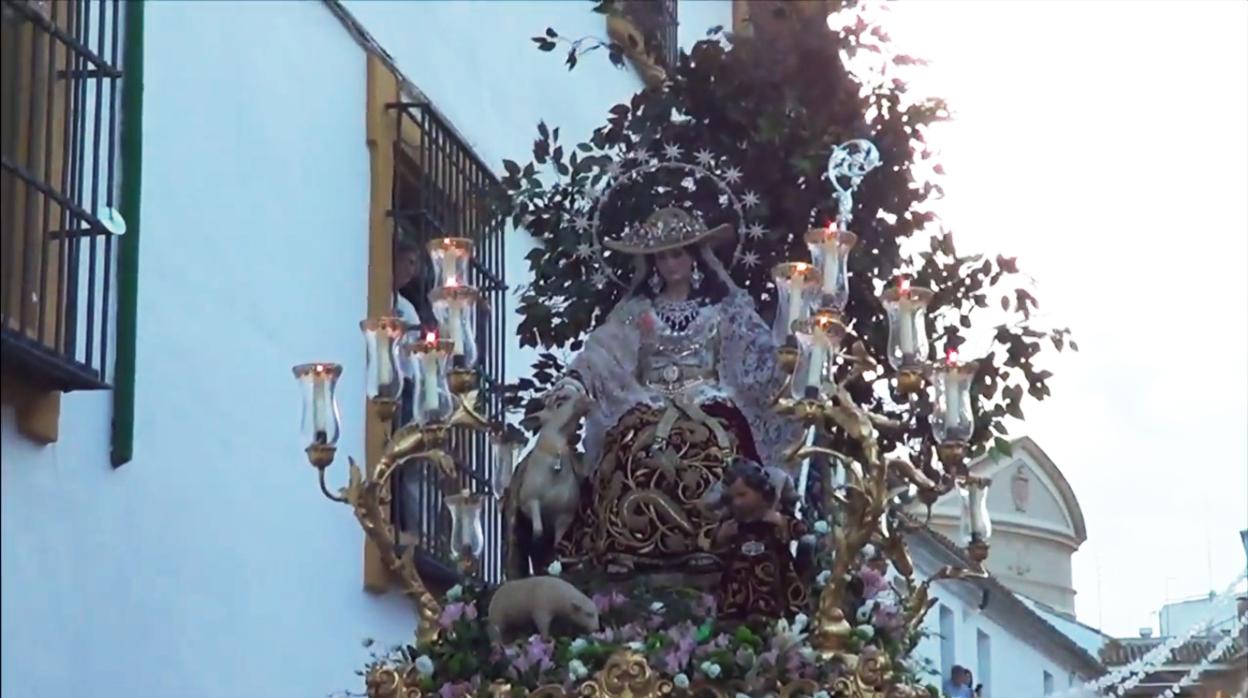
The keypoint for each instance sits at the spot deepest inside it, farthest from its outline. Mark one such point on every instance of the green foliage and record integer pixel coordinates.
(775, 109)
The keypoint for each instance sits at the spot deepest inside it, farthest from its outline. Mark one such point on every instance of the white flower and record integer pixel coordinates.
(864, 613)
(711, 669)
(704, 157)
(750, 199)
(732, 175)
(821, 694)
(680, 681)
(578, 645)
(808, 654)
(800, 622)
(868, 552)
(671, 151)
(555, 568)
(823, 578)
(577, 669)
(581, 223)
(656, 607)
(750, 259)
(742, 695)
(424, 665)
(866, 632)
(755, 231)
(584, 250)
(636, 646)
(822, 527)
(455, 593)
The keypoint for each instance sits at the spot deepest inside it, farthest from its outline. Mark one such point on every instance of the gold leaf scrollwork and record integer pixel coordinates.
(626, 675)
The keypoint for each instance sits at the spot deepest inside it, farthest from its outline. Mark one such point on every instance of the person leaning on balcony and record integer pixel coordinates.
(959, 685)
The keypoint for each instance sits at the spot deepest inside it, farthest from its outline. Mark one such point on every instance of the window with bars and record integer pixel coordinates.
(59, 92)
(656, 20)
(441, 189)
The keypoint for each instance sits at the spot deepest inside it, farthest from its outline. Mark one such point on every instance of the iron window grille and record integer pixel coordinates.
(442, 189)
(657, 22)
(59, 91)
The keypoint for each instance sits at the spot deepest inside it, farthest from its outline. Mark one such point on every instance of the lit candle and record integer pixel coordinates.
(818, 356)
(429, 374)
(906, 310)
(797, 284)
(953, 397)
(831, 259)
(448, 263)
(320, 405)
(454, 309)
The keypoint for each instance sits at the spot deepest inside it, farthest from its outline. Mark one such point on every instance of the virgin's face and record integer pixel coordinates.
(675, 266)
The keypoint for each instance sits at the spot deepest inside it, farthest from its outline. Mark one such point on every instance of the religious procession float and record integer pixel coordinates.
(708, 503)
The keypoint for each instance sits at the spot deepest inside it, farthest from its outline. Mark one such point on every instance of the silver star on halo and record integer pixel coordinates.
(704, 157)
(750, 259)
(599, 279)
(581, 223)
(584, 250)
(613, 170)
(671, 151)
(754, 231)
(750, 199)
(732, 175)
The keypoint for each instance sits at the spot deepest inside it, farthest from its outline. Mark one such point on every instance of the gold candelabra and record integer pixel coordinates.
(864, 488)
(444, 389)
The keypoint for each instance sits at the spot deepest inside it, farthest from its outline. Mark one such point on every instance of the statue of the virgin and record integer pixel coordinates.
(681, 376)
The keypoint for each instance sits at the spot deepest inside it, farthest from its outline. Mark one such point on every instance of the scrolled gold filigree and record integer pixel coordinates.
(626, 675)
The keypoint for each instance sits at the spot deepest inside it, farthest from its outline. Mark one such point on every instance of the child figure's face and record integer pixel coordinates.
(747, 504)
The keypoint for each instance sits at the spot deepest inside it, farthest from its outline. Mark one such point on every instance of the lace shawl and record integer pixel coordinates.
(747, 368)
(608, 369)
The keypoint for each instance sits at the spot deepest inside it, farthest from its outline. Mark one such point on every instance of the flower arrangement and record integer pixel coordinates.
(676, 632)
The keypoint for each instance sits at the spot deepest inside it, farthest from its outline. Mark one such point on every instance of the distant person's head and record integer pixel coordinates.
(960, 675)
(408, 264)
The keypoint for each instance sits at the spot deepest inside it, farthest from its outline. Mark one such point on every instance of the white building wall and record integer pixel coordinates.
(211, 565)
(1017, 658)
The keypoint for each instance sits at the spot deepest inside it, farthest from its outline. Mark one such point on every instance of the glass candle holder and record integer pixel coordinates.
(467, 533)
(383, 377)
(953, 420)
(427, 362)
(456, 310)
(829, 252)
(818, 339)
(321, 421)
(977, 510)
(451, 258)
(506, 447)
(906, 307)
(795, 294)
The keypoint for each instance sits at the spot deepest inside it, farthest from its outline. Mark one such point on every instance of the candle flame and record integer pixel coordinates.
(903, 286)
(431, 337)
(452, 282)
(951, 356)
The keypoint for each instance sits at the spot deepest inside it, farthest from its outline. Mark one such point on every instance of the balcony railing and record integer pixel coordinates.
(441, 189)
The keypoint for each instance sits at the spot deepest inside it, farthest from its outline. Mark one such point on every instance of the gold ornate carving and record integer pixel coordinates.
(622, 31)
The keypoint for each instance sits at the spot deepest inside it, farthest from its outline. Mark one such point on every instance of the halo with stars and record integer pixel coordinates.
(748, 230)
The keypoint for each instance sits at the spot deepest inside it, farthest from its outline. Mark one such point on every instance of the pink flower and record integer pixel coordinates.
(538, 653)
(455, 690)
(452, 613)
(872, 582)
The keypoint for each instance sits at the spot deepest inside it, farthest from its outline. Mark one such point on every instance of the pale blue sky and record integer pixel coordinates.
(1106, 144)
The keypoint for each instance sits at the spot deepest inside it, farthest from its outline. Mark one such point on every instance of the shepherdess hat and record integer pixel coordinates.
(668, 229)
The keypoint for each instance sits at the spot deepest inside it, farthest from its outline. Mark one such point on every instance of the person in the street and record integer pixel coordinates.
(959, 684)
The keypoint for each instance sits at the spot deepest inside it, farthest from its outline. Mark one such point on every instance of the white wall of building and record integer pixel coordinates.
(211, 565)
(995, 645)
